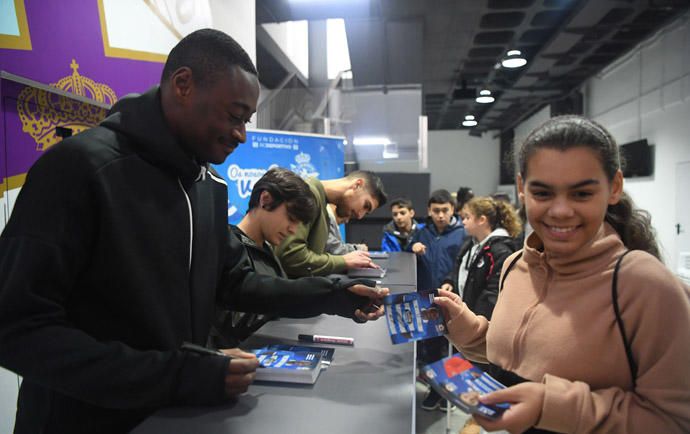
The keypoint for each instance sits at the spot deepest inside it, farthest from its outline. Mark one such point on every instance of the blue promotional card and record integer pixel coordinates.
(413, 316)
(461, 383)
(308, 155)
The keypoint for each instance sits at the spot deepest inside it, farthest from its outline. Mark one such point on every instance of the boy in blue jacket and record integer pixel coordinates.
(436, 246)
(438, 242)
(398, 233)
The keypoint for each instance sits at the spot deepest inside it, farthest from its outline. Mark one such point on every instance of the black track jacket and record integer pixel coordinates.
(115, 253)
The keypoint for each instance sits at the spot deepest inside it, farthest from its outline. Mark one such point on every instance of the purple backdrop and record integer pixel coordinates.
(70, 29)
(60, 31)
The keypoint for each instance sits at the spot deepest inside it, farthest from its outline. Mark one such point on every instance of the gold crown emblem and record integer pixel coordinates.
(40, 111)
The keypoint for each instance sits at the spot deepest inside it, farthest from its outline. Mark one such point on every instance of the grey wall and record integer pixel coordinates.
(522, 130)
(458, 159)
(647, 95)
(393, 114)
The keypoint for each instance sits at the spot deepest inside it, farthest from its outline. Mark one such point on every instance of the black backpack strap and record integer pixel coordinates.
(510, 267)
(619, 320)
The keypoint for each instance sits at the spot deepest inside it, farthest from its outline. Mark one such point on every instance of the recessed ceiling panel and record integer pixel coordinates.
(501, 20)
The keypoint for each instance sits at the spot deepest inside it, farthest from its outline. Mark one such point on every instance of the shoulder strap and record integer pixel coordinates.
(619, 320)
(510, 267)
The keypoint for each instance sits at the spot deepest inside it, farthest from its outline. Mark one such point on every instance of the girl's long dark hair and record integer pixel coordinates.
(634, 225)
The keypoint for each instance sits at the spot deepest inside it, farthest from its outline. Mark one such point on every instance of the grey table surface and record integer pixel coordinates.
(369, 388)
(401, 272)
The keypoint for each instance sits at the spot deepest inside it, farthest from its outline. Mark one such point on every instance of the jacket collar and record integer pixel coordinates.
(248, 242)
(498, 232)
(140, 118)
(454, 224)
(595, 255)
(390, 227)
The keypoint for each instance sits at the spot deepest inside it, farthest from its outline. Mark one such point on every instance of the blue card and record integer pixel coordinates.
(413, 316)
(461, 383)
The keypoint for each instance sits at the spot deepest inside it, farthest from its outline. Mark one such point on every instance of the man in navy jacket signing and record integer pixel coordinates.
(118, 249)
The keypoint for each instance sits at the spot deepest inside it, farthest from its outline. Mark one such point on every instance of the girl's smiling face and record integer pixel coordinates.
(566, 194)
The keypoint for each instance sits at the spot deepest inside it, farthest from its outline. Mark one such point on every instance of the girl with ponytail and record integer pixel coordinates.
(493, 226)
(591, 332)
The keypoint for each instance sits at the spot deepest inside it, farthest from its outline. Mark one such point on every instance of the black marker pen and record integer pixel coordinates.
(339, 340)
(203, 351)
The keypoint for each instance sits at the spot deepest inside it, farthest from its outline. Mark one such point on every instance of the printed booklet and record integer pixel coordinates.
(413, 316)
(292, 363)
(461, 383)
(377, 254)
(326, 353)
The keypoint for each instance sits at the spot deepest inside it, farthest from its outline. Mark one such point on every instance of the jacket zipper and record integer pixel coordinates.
(518, 342)
(191, 224)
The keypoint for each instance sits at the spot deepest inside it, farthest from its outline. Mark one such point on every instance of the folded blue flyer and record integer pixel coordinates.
(413, 316)
(461, 383)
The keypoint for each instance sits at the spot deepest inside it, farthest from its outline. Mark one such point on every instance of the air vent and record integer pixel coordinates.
(510, 4)
(479, 64)
(547, 18)
(493, 38)
(492, 52)
(501, 20)
(535, 36)
(615, 16)
(465, 93)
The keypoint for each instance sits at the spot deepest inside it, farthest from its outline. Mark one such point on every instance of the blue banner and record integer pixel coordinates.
(305, 154)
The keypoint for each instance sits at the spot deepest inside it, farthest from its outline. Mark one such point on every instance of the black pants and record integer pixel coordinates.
(432, 350)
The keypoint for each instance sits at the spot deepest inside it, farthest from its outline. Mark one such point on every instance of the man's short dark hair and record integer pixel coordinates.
(286, 187)
(372, 183)
(207, 52)
(463, 196)
(441, 196)
(402, 202)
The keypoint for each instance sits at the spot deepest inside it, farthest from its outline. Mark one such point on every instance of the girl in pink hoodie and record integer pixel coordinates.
(580, 353)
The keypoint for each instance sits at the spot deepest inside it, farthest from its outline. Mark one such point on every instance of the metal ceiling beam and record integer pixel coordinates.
(263, 38)
(536, 54)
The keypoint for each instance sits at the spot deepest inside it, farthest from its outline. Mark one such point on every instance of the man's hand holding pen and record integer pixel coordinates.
(373, 310)
(359, 259)
(241, 366)
(241, 371)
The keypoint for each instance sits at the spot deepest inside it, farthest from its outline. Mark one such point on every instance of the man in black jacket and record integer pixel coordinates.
(118, 249)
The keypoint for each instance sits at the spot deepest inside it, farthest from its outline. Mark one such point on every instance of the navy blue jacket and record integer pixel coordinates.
(393, 240)
(441, 250)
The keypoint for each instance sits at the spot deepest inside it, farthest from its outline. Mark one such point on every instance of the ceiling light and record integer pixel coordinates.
(513, 59)
(485, 97)
(371, 141)
(469, 121)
